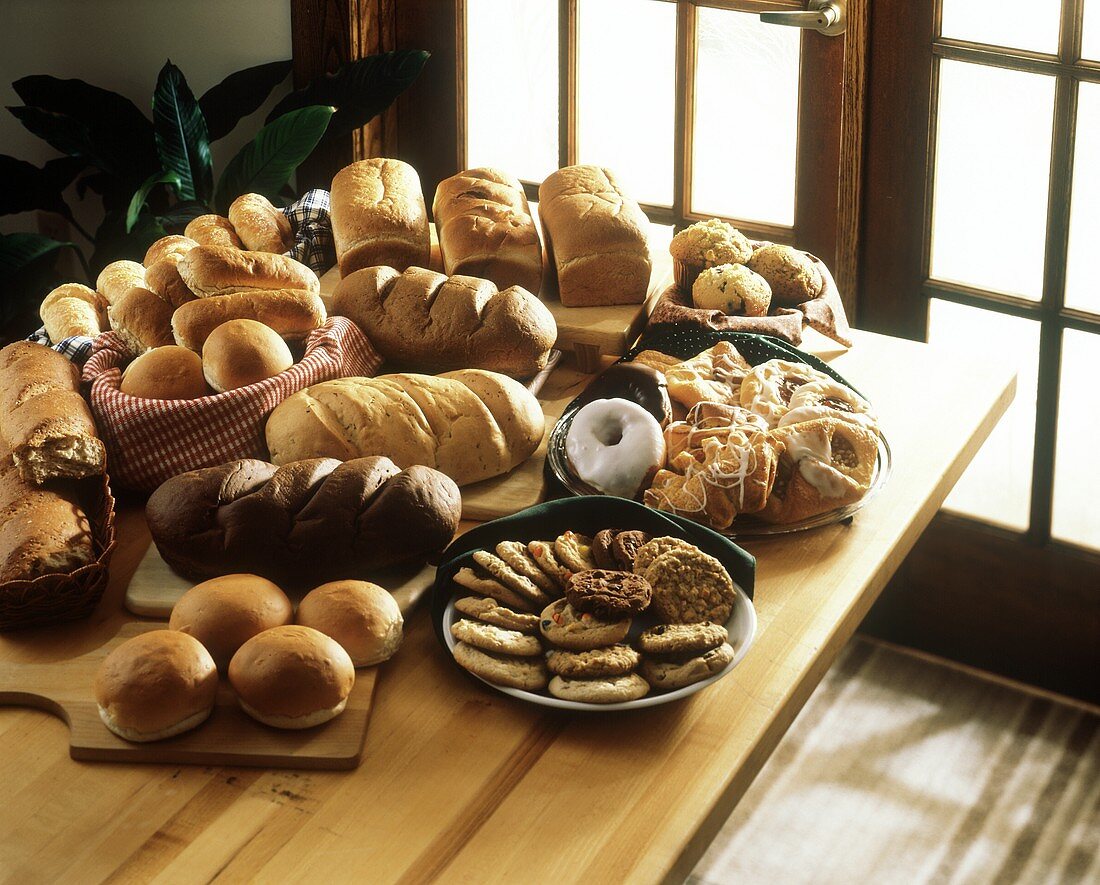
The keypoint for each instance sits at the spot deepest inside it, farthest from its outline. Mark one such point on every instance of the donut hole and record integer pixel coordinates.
(609, 435)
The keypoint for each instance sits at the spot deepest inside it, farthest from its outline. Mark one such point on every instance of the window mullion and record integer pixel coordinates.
(685, 111)
(567, 82)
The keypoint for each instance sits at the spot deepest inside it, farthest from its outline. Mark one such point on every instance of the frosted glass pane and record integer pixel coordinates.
(1090, 45)
(989, 210)
(996, 487)
(746, 118)
(512, 86)
(1082, 279)
(1021, 24)
(1076, 515)
(626, 82)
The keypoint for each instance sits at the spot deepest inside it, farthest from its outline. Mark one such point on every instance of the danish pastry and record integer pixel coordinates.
(767, 388)
(711, 376)
(829, 399)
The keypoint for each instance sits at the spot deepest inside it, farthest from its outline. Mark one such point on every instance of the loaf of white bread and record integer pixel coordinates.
(378, 216)
(485, 229)
(429, 322)
(595, 236)
(469, 424)
(47, 426)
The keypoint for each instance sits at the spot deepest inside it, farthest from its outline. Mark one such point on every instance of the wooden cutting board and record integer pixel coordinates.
(228, 737)
(587, 331)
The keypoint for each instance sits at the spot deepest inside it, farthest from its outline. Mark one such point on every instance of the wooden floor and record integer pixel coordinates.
(901, 769)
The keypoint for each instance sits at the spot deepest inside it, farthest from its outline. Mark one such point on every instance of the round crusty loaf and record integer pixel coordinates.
(117, 278)
(363, 617)
(292, 313)
(430, 322)
(72, 309)
(168, 372)
(242, 352)
(213, 230)
(142, 319)
(215, 270)
(261, 227)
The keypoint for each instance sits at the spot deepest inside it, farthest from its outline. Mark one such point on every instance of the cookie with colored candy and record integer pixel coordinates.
(679, 639)
(667, 675)
(574, 551)
(601, 549)
(543, 553)
(690, 587)
(510, 578)
(496, 639)
(608, 594)
(565, 627)
(528, 674)
(515, 554)
(617, 660)
(626, 545)
(648, 552)
(490, 611)
(612, 690)
(486, 585)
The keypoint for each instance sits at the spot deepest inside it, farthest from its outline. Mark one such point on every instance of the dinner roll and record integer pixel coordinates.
(292, 677)
(260, 225)
(213, 230)
(171, 246)
(156, 685)
(242, 352)
(117, 277)
(141, 319)
(363, 617)
(168, 372)
(225, 612)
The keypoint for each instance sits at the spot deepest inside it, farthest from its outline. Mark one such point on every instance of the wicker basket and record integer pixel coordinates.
(52, 599)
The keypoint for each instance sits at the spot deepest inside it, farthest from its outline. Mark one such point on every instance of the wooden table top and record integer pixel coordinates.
(463, 784)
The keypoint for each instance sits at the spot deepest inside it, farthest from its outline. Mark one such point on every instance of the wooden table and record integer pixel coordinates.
(463, 784)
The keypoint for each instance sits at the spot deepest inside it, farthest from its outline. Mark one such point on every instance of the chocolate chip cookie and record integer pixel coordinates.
(543, 553)
(564, 626)
(617, 660)
(489, 586)
(515, 554)
(626, 545)
(608, 594)
(601, 549)
(496, 639)
(614, 690)
(666, 675)
(529, 674)
(492, 612)
(574, 551)
(510, 578)
(678, 639)
(690, 587)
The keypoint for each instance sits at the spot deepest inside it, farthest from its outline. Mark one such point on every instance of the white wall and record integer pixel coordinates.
(122, 46)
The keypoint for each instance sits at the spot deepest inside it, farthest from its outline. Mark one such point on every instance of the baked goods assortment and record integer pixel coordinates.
(780, 441)
(430, 322)
(599, 620)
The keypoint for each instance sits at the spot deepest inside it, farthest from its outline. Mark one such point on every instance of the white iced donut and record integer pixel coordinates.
(615, 446)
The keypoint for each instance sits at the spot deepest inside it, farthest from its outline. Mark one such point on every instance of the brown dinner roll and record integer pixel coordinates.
(261, 226)
(156, 685)
(363, 617)
(242, 352)
(292, 677)
(117, 278)
(168, 372)
(225, 612)
(213, 230)
(142, 319)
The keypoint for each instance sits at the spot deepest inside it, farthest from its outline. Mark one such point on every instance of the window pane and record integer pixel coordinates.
(746, 117)
(1076, 515)
(512, 86)
(626, 83)
(1082, 282)
(996, 486)
(1090, 47)
(1021, 24)
(992, 168)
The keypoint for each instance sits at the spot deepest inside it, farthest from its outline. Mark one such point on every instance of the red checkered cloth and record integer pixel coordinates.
(151, 440)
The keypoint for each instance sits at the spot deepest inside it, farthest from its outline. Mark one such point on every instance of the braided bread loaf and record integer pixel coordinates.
(307, 522)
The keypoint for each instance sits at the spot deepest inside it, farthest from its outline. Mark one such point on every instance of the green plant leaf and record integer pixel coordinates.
(239, 95)
(142, 194)
(266, 163)
(359, 90)
(19, 249)
(113, 242)
(181, 136)
(181, 213)
(24, 187)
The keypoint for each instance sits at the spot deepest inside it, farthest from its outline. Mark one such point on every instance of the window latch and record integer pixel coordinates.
(824, 16)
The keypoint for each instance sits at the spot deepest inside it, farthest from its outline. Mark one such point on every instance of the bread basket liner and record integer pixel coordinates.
(52, 599)
(825, 313)
(149, 440)
(586, 515)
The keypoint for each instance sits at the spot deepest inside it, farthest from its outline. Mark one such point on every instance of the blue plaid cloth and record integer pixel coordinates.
(309, 219)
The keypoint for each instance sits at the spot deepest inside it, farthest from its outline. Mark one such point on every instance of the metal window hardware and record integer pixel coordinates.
(824, 16)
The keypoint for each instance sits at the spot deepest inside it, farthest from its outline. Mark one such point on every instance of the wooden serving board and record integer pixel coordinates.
(587, 331)
(228, 737)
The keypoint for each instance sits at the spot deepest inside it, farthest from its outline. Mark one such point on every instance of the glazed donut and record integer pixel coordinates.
(767, 389)
(829, 399)
(615, 446)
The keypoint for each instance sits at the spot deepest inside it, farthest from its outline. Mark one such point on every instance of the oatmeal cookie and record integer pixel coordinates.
(492, 612)
(515, 554)
(608, 594)
(618, 660)
(615, 690)
(564, 626)
(496, 639)
(529, 674)
(645, 555)
(574, 551)
(678, 639)
(690, 587)
(669, 675)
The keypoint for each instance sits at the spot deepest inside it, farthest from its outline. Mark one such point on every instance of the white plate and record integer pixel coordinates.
(742, 631)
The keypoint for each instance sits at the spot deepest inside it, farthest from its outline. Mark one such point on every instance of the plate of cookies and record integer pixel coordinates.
(595, 604)
(740, 432)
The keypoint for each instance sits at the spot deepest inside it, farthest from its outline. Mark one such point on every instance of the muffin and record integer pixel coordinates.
(732, 289)
(793, 276)
(706, 244)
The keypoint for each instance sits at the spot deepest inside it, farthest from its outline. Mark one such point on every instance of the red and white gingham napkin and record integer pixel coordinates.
(150, 440)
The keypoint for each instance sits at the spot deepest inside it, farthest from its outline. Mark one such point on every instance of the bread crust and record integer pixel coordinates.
(72, 309)
(142, 319)
(293, 313)
(216, 270)
(261, 226)
(117, 278)
(213, 230)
